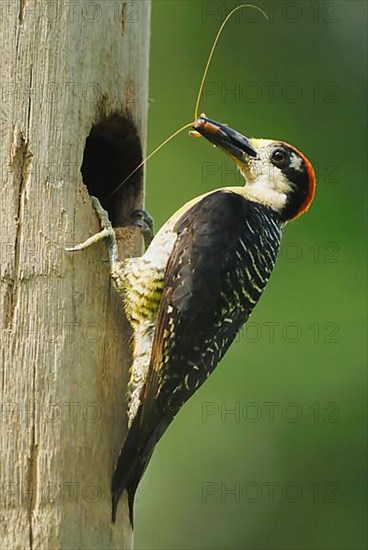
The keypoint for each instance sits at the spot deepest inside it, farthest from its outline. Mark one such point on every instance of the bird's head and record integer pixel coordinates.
(276, 173)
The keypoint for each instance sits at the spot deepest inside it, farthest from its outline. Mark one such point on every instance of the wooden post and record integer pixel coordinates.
(69, 70)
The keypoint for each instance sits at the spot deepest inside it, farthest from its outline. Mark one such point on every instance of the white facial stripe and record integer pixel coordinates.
(272, 191)
(296, 162)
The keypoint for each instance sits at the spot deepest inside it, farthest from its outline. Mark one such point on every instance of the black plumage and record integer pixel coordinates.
(220, 263)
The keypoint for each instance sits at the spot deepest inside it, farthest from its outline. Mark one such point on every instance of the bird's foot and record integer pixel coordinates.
(144, 220)
(107, 232)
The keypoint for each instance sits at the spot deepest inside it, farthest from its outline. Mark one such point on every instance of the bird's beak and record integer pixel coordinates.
(231, 142)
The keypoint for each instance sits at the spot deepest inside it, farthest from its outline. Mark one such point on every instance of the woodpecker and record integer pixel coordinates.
(197, 284)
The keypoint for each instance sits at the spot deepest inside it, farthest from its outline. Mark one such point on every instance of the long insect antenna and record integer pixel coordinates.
(219, 32)
(189, 124)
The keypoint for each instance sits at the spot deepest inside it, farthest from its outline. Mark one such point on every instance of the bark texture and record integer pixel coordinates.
(65, 67)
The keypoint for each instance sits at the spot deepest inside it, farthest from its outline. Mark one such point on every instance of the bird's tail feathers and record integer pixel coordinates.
(133, 460)
(128, 471)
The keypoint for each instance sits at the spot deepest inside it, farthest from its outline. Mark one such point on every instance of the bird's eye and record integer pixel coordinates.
(279, 157)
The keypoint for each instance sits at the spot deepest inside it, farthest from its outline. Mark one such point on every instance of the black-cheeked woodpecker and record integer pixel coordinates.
(197, 283)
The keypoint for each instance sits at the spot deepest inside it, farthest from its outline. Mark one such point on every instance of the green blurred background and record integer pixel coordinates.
(294, 478)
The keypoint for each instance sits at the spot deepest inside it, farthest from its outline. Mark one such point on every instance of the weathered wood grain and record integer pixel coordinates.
(64, 339)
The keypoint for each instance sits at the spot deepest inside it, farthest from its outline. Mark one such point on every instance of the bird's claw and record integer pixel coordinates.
(141, 218)
(107, 232)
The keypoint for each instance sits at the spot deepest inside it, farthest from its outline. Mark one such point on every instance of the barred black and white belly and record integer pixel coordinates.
(141, 282)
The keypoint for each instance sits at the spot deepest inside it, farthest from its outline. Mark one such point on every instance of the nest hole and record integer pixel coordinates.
(112, 151)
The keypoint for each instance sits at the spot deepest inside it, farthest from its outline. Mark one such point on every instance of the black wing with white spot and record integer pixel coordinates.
(222, 259)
